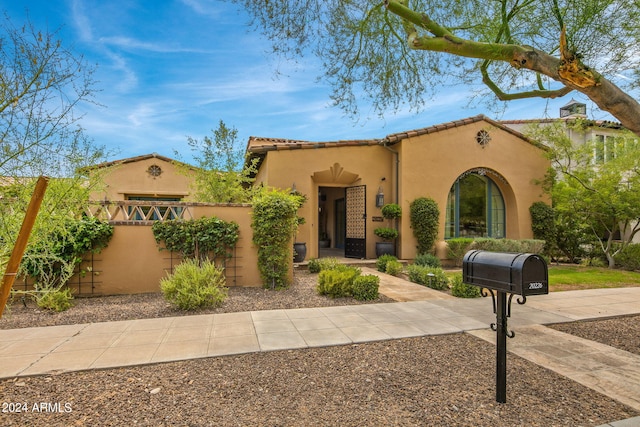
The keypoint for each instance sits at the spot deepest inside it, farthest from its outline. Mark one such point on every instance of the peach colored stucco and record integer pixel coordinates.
(427, 164)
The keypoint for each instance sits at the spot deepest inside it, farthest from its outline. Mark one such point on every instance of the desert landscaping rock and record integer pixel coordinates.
(445, 380)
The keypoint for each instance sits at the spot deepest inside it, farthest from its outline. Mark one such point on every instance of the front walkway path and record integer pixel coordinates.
(35, 351)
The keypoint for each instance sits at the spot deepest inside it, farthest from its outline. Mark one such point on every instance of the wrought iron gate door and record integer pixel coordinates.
(356, 213)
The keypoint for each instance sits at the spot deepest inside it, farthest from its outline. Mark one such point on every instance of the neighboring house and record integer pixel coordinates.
(150, 177)
(480, 172)
(610, 137)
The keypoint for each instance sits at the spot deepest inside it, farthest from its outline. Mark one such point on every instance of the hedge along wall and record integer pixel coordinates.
(132, 262)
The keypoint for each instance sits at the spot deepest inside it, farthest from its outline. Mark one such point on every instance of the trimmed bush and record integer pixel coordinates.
(318, 264)
(337, 282)
(365, 288)
(456, 248)
(194, 285)
(462, 290)
(428, 276)
(427, 260)
(381, 262)
(629, 258)
(424, 217)
(56, 299)
(394, 268)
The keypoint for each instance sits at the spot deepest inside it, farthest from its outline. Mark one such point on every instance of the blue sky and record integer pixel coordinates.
(169, 69)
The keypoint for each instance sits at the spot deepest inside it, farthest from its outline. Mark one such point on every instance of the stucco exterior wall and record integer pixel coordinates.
(419, 163)
(133, 179)
(338, 167)
(430, 165)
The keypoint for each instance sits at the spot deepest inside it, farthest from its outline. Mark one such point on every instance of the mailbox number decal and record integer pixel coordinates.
(535, 285)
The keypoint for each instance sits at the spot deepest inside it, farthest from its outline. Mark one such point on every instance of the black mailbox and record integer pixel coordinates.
(516, 273)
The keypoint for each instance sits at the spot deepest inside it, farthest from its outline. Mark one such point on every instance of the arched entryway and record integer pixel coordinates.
(476, 206)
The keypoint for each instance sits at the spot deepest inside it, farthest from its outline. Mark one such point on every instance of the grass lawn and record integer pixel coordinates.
(574, 277)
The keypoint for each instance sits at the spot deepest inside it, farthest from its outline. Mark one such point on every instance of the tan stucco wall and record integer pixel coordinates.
(311, 169)
(132, 179)
(430, 165)
(132, 262)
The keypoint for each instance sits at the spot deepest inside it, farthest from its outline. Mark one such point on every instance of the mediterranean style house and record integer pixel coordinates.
(481, 173)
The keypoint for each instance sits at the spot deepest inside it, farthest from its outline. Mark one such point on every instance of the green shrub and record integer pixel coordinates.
(386, 233)
(274, 223)
(456, 248)
(365, 288)
(316, 265)
(462, 290)
(194, 285)
(427, 260)
(55, 299)
(391, 211)
(509, 245)
(428, 276)
(394, 268)
(337, 282)
(424, 218)
(198, 237)
(543, 225)
(629, 258)
(381, 262)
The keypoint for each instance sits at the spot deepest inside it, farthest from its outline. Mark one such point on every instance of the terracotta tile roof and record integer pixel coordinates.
(258, 145)
(394, 138)
(134, 159)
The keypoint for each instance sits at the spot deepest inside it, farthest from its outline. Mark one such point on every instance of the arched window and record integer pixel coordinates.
(475, 208)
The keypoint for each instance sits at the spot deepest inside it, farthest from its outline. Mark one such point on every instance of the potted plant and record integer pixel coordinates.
(324, 241)
(299, 248)
(391, 211)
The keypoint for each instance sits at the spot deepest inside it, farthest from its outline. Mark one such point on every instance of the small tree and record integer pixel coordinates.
(603, 193)
(425, 216)
(221, 176)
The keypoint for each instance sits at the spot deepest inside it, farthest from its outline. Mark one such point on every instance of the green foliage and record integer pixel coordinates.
(365, 288)
(274, 223)
(318, 264)
(199, 238)
(508, 245)
(434, 278)
(543, 224)
(391, 211)
(54, 299)
(222, 175)
(629, 258)
(427, 260)
(462, 290)
(386, 233)
(51, 261)
(368, 57)
(394, 268)
(338, 282)
(424, 216)
(457, 248)
(602, 198)
(195, 284)
(381, 262)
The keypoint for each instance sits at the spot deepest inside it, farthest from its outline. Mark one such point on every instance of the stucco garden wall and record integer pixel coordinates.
(132, 262)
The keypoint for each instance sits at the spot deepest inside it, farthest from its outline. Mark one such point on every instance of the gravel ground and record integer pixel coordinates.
(443, 380)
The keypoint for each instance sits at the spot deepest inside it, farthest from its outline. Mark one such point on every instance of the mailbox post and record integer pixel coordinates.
(505, 273)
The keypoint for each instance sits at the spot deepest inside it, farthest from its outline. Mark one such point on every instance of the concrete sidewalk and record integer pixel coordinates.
(615, 373)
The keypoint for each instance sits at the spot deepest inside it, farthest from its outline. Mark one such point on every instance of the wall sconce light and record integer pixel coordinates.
(379, 198)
